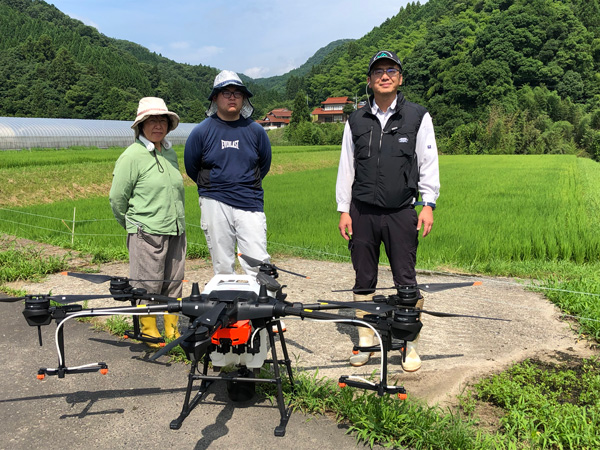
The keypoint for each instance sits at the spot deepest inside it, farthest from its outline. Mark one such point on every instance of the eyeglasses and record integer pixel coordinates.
(236, 94)
(378, 73)
(158, 120)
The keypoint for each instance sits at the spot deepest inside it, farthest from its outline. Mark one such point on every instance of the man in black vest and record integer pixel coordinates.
(389, 157)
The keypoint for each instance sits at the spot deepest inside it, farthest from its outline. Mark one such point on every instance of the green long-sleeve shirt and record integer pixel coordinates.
(148, 194)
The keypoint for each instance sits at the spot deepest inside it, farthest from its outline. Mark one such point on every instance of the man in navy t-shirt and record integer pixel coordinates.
(228, 155)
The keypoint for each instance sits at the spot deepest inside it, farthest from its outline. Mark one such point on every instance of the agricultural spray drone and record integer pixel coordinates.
(234, 322)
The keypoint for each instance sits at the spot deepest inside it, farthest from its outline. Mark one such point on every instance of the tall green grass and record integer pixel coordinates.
(493, 212)
(511, 209)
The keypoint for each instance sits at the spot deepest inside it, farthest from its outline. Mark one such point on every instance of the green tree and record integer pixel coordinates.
(300, 113)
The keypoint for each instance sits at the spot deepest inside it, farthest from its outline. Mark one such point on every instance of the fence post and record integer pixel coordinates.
(73, 228)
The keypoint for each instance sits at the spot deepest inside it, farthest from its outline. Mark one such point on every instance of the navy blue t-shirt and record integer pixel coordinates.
(228, 161)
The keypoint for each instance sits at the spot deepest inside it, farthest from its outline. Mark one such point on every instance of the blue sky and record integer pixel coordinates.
(257, 38)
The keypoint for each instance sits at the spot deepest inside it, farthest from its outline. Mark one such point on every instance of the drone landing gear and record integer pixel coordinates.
(62, 369)
(243, 376)
(137, 334)
(382, 387)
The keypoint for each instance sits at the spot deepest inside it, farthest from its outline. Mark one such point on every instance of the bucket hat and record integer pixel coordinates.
(153, 106)
(229, 78)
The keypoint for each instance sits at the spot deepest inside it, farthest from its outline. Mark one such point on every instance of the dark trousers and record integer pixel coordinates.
(397, 229)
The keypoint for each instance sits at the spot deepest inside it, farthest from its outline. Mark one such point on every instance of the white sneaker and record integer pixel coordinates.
(412, 363)
(360, 358)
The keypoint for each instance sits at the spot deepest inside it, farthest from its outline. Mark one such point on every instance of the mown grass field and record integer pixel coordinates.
(534, 217)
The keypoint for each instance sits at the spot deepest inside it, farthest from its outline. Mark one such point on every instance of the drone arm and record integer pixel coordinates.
(305, 312)
(323, 306)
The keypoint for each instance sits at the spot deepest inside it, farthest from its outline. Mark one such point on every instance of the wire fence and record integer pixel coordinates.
(73, 233)
(72, 226)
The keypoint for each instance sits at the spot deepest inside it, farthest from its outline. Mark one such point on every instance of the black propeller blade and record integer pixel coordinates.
(209, 318)
(11, 299)
(253, 262)
(99, 278)
(370, 307)
(441, 314)
(93, 277)
(268, 281)
(427, 287)
(167, 348)
(383, 308)
(63, 299)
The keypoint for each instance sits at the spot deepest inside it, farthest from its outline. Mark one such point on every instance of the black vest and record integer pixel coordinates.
(386, 169)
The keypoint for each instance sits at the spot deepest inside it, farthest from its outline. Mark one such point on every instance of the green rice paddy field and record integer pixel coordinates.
(535, 217)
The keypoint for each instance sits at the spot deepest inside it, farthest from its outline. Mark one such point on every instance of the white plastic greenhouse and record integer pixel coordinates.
(24, 133)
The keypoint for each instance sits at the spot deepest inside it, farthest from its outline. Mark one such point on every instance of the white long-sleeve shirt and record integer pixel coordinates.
(427, 160)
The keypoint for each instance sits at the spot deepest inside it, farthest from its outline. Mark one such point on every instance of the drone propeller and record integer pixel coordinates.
(11, 299)
(427, 287)
(209, 318)
(63, 299)
(370, 307)
(253, 262)
(99, 278)
(383, 308)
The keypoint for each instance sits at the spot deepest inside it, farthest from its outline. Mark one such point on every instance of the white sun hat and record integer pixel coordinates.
(153, 106)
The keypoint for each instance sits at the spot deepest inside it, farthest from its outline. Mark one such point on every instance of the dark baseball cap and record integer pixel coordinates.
(384, 54)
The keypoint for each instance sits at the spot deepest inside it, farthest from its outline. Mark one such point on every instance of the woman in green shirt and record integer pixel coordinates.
(147, 199)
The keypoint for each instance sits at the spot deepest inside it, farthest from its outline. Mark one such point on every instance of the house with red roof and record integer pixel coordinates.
(277, 118)
(332, 110)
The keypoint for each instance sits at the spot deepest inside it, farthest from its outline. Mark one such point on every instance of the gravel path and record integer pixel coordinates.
(454, 351)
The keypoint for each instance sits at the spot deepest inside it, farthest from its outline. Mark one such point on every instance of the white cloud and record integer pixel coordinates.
(85, 20)
(156, 48)
(256, 72)
(179, 45)
(207, 51)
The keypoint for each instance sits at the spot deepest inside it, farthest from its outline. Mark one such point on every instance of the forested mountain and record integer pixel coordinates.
(498, 76)
(55, 66)
(503, 76)
(281, 82)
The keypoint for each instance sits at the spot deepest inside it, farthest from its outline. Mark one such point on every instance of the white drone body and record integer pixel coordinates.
(239, 355)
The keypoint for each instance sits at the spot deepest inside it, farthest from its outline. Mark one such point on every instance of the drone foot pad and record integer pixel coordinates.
(62, 371)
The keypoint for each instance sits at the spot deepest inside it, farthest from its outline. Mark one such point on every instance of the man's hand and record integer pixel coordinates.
(425, 219)
(345, 225)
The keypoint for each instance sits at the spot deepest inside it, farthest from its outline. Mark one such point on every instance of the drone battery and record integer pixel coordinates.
(237, 333)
